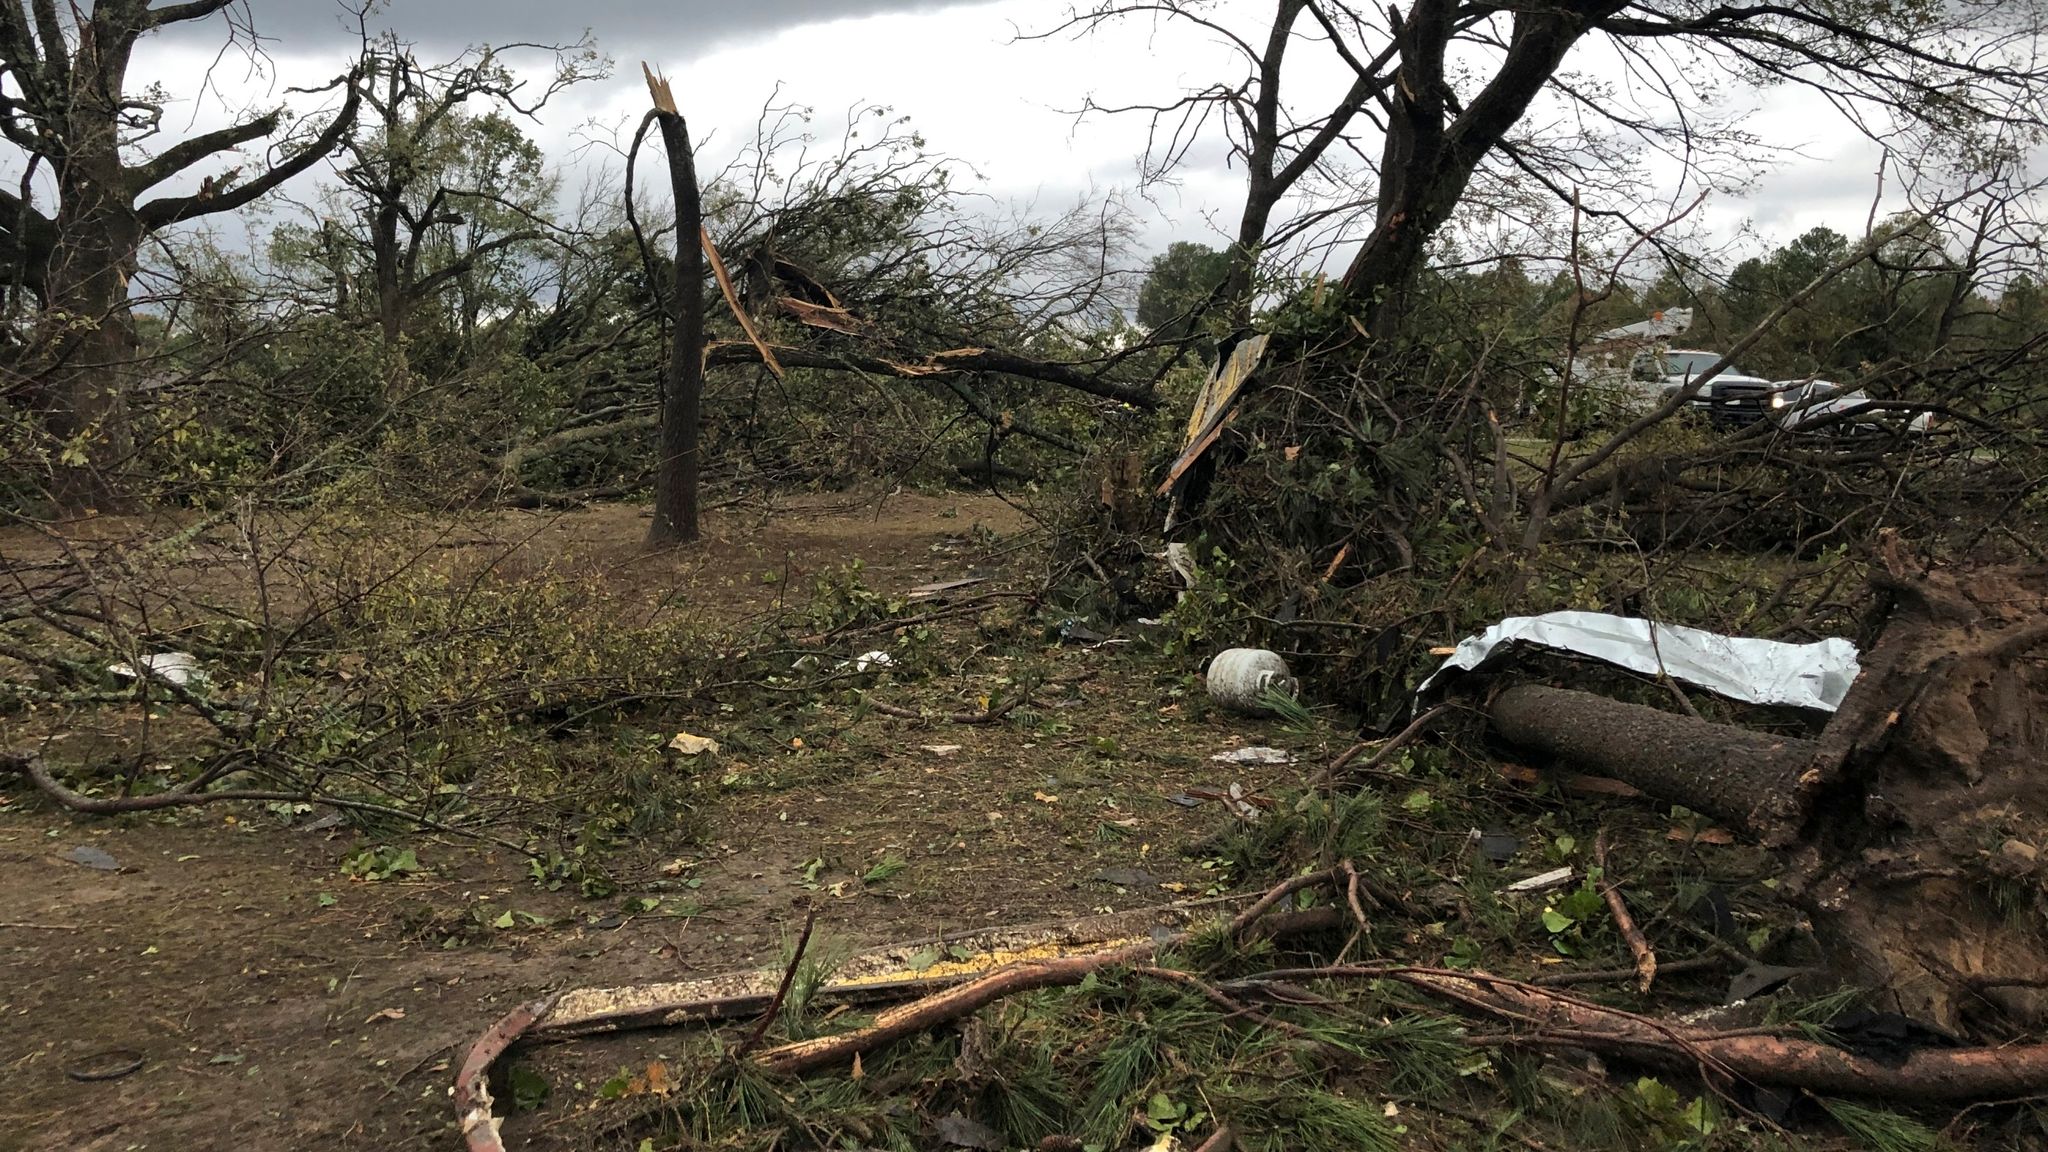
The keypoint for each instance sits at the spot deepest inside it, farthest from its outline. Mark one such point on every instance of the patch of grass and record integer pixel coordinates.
(888, 868)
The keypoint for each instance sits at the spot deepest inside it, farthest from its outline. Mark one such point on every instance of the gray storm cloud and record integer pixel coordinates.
(308, 24)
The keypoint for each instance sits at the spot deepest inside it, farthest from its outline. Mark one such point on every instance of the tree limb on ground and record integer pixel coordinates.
(952, 362)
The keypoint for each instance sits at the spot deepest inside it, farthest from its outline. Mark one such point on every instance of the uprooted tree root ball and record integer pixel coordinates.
(1913, 825)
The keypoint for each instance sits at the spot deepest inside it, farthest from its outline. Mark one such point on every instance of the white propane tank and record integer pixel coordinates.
(1240, 676)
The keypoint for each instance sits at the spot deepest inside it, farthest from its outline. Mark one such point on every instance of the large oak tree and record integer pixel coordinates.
(66, 104)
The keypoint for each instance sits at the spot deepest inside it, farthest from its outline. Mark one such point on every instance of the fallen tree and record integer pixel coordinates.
(1903, 827)
(1912, 826)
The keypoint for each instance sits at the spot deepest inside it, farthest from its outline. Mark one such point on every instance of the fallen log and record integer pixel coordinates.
(1729, 773)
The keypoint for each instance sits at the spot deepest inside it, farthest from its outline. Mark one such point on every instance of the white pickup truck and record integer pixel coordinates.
(1732, 398)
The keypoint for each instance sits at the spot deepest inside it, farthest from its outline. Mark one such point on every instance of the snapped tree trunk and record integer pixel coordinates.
(1913, 828)
(675, 475)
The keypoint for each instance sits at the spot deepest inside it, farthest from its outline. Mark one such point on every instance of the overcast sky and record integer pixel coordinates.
(957, 69)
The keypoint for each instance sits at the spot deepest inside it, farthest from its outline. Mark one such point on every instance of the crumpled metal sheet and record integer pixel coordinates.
(1813, 676)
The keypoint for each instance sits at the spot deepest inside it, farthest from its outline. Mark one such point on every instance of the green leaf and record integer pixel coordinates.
(504, 921)
(530, 1089)
(1583, 904)
(1419, 801)
(326, 900)
(1162, 1114)
(1699, 1116)
(1555, 921)
(1658, 1098)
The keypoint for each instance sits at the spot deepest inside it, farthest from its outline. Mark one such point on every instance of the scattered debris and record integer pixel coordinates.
(942, 751)
(1213, 408)
(1239, 801)
(686, 744)
(1257, 754)
(1184, 800)
(957, 1131)
(179, 668)
(111, 1064)
(869, 661)
(1814, 676)
(472, 1084)
(943, 587)
(1759, 979)
(1542, 882)
(1182, 561)
(1498, 847)
(1075, 631)
(1127, 878)
(1239, 679)
(98, 859)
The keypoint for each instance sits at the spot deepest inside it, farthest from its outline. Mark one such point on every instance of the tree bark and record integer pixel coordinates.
(1729, 773)
(1429, 158)
(676, 469)
(90, 343)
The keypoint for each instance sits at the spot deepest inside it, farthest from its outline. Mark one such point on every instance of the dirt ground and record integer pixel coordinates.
(271, 1001)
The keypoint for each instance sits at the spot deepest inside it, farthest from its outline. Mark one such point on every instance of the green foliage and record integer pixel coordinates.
(530, 1090)
(1880, 1130)
(1567, 920)
(1685, 1123)
(382, 862)
(1178, 286)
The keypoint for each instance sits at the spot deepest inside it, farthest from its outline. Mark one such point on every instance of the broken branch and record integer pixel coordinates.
(1638, 944)
(472, 1085)
(965, 999)
(782, 990)
(984, 716)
